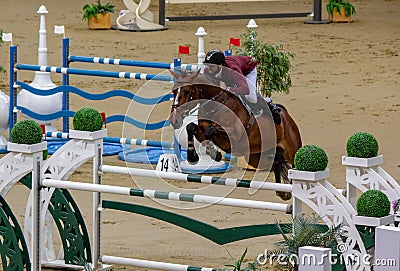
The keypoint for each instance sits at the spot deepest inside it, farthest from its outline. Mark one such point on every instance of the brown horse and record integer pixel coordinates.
(224, 120)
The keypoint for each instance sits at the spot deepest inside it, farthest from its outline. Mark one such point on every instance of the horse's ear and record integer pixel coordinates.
(195, 74)
(174, 74)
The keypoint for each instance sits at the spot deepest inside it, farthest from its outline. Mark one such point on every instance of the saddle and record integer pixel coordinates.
(262, 107)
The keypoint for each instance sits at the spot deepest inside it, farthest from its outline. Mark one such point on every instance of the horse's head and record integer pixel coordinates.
(185, 94)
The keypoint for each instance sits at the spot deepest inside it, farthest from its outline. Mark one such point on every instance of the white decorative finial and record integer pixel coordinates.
(201, 54)
(252, 24)
(200, 31)
(42, 10)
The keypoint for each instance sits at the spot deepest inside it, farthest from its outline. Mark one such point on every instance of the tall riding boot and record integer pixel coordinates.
(275, 112)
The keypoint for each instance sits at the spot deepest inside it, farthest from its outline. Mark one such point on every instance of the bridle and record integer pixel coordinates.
(188, 111)
(192, 89)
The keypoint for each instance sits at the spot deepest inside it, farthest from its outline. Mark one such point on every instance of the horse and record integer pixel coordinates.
(224, 120)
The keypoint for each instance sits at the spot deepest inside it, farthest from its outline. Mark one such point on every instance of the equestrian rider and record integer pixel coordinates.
(241, 82)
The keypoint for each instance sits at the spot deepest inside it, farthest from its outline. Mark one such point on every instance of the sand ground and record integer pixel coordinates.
(345, 80)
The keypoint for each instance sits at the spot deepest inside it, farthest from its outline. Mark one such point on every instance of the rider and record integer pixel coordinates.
(234, 81)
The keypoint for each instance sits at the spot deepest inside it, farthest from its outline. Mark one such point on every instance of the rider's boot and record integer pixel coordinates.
(275, 111)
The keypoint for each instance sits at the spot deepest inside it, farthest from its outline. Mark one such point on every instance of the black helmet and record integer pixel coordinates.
(215, 57)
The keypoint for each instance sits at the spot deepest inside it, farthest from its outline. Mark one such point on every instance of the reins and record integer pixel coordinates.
(187, 112)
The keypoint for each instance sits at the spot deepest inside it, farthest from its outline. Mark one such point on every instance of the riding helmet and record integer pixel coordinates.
(215, 57)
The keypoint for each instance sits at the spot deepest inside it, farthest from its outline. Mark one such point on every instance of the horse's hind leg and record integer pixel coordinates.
(191, 154)
(280, 168)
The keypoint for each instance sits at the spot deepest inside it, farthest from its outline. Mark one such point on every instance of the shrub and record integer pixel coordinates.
(87, 119)
(362, 145)
(273, 69)
(310, 158)
(373, 203)
(92, 10)
(26, 132)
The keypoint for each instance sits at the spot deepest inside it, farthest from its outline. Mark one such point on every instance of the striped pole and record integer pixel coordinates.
(152, 264)
(134, 63)
(99, 73)
(197, 178)
(120, 140)
(175, 196)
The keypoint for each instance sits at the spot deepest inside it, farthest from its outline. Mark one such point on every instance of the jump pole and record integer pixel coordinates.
(317, 5)
(174, 196)
(152, 264)
(197, 178)
(120, 140)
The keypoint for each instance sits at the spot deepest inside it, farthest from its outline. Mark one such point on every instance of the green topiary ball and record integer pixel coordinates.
(373, 203)
(26, 132)
(87, 119)
(362, 145)
(310, 158)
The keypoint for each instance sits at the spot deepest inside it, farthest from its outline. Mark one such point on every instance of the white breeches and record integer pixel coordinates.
(251, 79)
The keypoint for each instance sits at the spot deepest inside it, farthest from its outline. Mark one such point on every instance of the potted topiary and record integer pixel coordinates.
(98, 15)
(373, 208)
(362, 150)
(310, 162)
(340, 10)
(88, 124)
(27, 137)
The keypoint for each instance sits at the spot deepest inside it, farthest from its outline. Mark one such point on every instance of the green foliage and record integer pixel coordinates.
(349, 9)
(82, 262)
(362, 145)
(373, 203)
(26, 132)
(310, 158)
(92, 10)
(274, 63)
(87, 119)
(237, 264)
(304, 231)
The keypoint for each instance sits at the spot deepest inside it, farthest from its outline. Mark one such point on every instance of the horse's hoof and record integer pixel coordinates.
(192, 157)
(218, 157)
(284, 195)
(214, 154)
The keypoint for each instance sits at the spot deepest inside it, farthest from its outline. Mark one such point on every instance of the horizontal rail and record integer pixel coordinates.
(99, 73)
(138, 142)
(154, 194)
(131, 63)
(120, 140)
(152, 264)
(97, 97)
(197, 178)
(237, 16)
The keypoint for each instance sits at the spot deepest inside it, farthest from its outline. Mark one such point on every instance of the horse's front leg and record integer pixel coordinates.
(192, 129)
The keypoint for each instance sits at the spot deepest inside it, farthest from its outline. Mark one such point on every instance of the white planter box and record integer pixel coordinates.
(76, 134)
(308, 175)
(26, 148)
(362, 162)
(373, 221)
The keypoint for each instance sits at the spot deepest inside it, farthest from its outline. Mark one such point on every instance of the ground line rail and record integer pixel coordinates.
(152, 264)
(175, 196)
